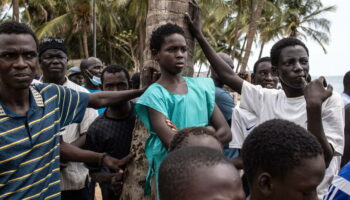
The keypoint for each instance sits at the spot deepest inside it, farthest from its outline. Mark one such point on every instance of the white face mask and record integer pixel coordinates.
(96, 81)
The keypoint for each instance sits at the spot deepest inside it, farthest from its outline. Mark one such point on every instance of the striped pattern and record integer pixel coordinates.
(29, 145)
(340, 188)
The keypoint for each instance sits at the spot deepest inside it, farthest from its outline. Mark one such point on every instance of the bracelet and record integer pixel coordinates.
(102, 158)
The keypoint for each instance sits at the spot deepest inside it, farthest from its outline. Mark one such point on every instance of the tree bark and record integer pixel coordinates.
(261, 49)
(15, 11)
(251, 33)
(159, 13)
(241, 54)
(85, 44)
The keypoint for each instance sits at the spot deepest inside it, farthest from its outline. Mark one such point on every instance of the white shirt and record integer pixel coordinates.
(267, 104)
(243, 122)
(74, 175)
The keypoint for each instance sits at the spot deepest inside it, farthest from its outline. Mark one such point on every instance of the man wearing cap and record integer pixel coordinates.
(53, 62)
(31, 117)
(74, 74)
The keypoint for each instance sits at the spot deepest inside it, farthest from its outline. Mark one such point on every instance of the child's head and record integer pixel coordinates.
(195, 136)
(282, 161)
(169, 48)
(198, 173)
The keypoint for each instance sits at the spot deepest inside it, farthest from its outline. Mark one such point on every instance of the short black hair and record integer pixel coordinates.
(135, 80)
(180, 139)
(115, 69)
(346, 80)
(281, 44)
(263, 59)
(158, 35)
(177, 170)
(277, 146)
(13, 27)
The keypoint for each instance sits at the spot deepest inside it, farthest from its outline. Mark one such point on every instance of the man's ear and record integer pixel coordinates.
(265, 184)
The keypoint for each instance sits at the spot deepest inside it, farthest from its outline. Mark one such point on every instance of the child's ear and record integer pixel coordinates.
(264, 184)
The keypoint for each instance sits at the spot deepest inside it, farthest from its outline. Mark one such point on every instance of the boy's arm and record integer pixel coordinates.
(160, 126)
(346, 156)
(226, 74)
(222, 130)
(315, 94)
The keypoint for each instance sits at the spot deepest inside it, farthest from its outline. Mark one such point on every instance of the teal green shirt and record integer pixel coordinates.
(185, 110)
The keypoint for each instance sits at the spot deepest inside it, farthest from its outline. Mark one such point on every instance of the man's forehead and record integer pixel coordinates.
(54, 52)
(94, 62)
(12, 40)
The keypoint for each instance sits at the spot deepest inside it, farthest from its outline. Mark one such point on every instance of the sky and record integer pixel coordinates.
(337, 60)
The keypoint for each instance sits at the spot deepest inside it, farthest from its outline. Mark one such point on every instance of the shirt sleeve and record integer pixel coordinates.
(152, 98)
(252, 97)
(236, 129)
(333, 122)
(72, 105)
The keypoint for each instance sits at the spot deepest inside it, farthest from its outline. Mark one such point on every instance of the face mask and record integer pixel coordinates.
(96, 81)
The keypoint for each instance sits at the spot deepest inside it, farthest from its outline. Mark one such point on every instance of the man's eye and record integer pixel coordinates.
(30, 55)
(9, 56)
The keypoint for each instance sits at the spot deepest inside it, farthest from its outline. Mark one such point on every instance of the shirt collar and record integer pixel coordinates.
(38, 99)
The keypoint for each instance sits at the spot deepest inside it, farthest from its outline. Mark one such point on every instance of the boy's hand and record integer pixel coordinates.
(171, 125)
(315, 92)
(194, 24)
(114, 163)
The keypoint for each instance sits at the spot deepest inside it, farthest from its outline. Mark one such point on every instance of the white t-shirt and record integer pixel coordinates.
(267, 104)
(242, 123)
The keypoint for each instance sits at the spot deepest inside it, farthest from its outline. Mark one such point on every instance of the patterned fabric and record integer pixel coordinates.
(340, 188)
(29, 144)
(74, 175)
(185, 110)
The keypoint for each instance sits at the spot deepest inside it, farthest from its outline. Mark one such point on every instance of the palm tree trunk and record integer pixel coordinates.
(15, 11)
(85, 44)
(81, 48)
(261, 49)
(251, 33)
(159, 13)
(241, 54)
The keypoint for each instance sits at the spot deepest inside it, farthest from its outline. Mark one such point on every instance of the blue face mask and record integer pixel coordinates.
(96, 81)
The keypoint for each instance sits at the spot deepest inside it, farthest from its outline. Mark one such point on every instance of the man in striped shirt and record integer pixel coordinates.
(31, 117)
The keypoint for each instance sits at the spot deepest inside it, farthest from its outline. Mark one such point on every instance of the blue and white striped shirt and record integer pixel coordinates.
(29, 144)
(340, 188)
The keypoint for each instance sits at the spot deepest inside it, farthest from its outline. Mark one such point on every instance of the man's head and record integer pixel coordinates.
(115, 78)
(74, 74)
(195, 136)
(283, 161)
(263, 74)
(18, 55)
(346, 83)
(53, 58)
(290, 57)
(198, 173)
(225, 57)
(169, 48)
(91, 69)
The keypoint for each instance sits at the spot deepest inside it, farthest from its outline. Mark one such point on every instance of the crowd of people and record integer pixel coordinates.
(64, 132)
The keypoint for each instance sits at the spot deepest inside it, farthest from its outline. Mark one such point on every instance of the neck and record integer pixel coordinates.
(16, 100)
(58, 80)
(292, 92)
(119, 112)
(170, 78)
(90, 86)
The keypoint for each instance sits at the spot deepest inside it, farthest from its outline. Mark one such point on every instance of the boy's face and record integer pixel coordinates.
(301, 182)
(293, 67)
(264, 76)
(219, 182)
(172, 55)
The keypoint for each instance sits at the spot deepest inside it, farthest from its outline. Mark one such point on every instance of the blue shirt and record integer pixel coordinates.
(340, 188)
(100, 110)
(194, 108)
(29, 144)
(225, 102)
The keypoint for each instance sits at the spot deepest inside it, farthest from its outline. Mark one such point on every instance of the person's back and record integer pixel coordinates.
(198, 173)
(346, 85)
